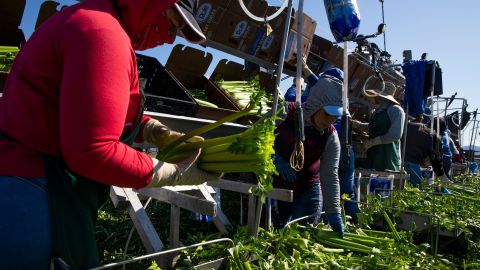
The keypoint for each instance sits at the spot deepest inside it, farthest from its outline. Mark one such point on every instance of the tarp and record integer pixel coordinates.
(414, 71)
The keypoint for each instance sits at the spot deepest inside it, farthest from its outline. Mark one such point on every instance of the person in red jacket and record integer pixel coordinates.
(70, 108)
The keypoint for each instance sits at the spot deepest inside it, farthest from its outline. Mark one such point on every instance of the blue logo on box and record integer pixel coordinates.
(427, 174)
(378, 185)
(240, 29)
(203, 12)
(268, 42)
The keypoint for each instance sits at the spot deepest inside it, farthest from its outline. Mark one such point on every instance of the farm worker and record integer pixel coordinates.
(446, 155)
(472, 167)
(346, 169)
(310, 79)
(70, 108)
(318, 179)
(384, 130)
(420, 145)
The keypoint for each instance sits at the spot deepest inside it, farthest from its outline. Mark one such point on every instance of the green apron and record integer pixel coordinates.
(74, 201)
(384, 156)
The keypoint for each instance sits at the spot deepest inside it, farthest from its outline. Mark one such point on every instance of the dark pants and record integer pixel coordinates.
(415, 173)
(307, 203)
(447, 165)
(346, 172)
(25, 224)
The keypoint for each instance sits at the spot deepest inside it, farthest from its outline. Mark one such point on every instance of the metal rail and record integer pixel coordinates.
(157, 254)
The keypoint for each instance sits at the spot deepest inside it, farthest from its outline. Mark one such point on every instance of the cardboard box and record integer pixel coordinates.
(238, 33)
(308, 30)
(359, 76)
(270, 46)
(189, 65)
(317, 56)
(320, 46)
(209, 15)
(232, 71)
(226, 23)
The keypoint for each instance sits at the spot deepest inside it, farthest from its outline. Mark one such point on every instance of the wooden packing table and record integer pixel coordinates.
(198, 200)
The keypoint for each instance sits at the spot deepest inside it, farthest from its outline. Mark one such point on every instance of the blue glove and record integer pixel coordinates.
(284, 169)
(335, 221)
(445, 191)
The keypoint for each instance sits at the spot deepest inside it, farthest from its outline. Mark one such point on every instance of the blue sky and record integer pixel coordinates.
(445, 29)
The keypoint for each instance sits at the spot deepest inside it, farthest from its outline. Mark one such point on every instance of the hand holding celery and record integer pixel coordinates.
(248, 151)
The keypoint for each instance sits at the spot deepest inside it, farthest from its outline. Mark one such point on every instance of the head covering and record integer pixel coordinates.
(192, 31)
(334, 72)
(141, 18)
(326, 94)
(387, 93)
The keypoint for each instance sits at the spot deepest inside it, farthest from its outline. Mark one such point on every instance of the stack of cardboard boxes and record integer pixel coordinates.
(189, 65)
(226, 23)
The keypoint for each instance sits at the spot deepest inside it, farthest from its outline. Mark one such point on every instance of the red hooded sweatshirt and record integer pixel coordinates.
(73, 90)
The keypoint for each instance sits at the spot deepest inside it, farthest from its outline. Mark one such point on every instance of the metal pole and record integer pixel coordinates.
(438, 116)
(384, 34)
(460, 121)
(345, 141)
(472, 154)
(431, 93)
(474, 141)
(281, 59)
(404, 144)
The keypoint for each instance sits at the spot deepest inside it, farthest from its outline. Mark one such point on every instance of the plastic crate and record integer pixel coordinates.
(162, 90)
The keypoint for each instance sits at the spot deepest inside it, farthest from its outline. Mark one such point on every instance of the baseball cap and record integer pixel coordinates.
(333, 110)
(192, 31)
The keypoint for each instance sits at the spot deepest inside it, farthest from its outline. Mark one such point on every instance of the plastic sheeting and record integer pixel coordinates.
(414, 72)
(344, 18)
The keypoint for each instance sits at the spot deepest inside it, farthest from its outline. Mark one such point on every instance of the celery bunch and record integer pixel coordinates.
(7, 55)
(248, 151)
(241, 91)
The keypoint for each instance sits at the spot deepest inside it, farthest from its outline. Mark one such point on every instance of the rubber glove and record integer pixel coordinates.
(355, 124)
(185, 172)
(284, 169)
(160, 135)
(335, 221)
(445, 190)
(306, 72)
(370, 143)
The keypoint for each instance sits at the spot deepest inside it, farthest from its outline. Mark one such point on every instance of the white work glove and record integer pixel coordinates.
(160, 135)
(305, 70)
(370, 143)
(356, 124)
(185, 172)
